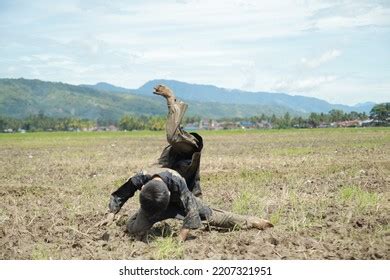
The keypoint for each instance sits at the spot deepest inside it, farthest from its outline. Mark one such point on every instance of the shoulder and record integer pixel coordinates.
(173, 179)
(170, 175)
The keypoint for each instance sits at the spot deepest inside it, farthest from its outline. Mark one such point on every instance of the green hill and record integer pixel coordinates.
(20, 98)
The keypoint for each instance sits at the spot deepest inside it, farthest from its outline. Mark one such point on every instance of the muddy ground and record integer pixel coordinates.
(326, 190)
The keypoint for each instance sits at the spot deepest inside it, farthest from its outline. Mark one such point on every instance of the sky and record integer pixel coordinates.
(338, 51)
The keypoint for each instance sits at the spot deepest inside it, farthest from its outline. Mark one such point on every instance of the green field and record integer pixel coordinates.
(326, 190)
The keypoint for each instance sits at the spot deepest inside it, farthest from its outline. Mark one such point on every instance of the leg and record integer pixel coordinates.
(225, 219)
(183, 152)
(179, 139)
(176, 111)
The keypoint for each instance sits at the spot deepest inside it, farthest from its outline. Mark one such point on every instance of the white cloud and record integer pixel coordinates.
(365, 15)
(243, 44)
(323, 58)
(303, 85)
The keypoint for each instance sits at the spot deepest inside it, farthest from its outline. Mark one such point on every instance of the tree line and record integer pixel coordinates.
(41, 122)
(380, 113)
(313, 120)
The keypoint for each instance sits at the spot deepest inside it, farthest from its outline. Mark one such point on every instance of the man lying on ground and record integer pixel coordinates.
(163, 195)
(182, 153)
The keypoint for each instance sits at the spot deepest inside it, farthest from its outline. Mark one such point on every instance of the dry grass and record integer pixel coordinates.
(326, 191)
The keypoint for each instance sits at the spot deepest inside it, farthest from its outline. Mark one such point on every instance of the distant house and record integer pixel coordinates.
(367, 123)
(204, 124)
(376, 122)
(247, 124)
(207, 124)
(214, 125)
(264, 125)
(229, 125)
(353, 123)
(324, 125)
(104, 128)
(112, 128)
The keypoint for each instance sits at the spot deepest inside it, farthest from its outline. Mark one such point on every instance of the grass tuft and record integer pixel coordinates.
(168, 248)
(360, 198)
(40, 253)
(248, 202)
(276, 217)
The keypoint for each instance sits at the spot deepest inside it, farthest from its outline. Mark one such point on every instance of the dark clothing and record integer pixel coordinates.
(178, 167)
(183, 205)
(184, 149)
(185, 159)
(182, 202)
(181, 155)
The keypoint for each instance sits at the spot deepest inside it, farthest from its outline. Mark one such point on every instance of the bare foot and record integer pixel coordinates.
(163, 91)
(260, 223)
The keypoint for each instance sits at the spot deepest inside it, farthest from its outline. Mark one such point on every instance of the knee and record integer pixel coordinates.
(171, 137)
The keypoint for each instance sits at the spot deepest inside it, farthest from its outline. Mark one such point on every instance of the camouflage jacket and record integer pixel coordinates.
(181, 197)
(185, 159)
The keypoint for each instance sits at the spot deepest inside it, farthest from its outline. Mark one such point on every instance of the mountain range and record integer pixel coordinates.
(23, 97)
(209, 93)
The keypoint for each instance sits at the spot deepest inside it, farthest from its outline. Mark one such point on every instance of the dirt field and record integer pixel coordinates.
(326, 190)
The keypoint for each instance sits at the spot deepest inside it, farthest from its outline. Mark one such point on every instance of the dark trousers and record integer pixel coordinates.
(182, 142)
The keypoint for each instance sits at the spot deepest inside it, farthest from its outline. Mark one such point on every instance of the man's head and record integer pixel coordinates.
(154, 197)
